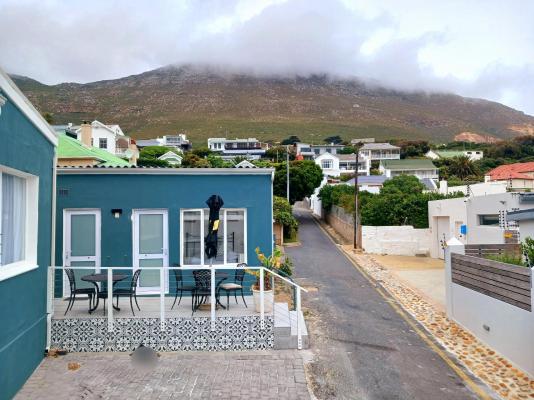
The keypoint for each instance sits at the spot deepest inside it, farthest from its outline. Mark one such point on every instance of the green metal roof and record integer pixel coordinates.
(71, 148)
(449, 153)
(408, 163)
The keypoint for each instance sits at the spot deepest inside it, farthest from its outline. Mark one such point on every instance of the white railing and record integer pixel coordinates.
(162, 292)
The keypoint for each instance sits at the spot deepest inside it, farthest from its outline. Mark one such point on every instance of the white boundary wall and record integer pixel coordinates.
(511, 329)
(396, 240)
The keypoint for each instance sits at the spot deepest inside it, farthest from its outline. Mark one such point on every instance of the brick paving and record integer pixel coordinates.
(183, 375)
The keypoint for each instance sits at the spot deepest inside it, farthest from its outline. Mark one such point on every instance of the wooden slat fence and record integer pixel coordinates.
(505, 282)
(483, 250)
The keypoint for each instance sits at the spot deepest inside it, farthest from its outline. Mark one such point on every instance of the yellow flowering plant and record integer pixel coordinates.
(275, 261)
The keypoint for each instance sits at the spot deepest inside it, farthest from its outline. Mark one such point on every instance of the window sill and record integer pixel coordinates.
(14, 269)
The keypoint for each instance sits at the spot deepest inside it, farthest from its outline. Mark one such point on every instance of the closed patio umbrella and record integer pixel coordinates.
(215, 202)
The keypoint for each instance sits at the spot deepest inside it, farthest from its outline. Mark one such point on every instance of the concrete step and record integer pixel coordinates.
(286, 327)
(282, 323)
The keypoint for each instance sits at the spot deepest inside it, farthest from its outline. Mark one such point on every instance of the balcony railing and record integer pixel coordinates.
(163, 291)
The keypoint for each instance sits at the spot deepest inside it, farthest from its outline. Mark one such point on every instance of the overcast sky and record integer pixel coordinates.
(478, 48)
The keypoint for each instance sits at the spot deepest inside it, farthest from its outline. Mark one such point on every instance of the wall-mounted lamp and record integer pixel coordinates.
(116, 212)
(2, 102)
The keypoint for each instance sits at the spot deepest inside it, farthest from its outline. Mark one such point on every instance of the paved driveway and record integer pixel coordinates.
(187, 375)
(364, 349)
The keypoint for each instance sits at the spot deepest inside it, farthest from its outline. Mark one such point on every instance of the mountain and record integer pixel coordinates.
(205, 102)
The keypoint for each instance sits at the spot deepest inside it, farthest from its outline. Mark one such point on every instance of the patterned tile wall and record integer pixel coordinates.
(231, 333)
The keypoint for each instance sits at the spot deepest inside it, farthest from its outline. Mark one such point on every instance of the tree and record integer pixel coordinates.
(462, 167)
(216, 161)
(49, 117)
(283, 214)
(402, 184)
(412, 148)
(304, 177)
(278, 154)
(202, 152)
(336, 139)
(290, 140)
(148, 156)
(191, 160)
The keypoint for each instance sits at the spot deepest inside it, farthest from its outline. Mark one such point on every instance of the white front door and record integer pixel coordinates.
(150, 247)
(81, 245)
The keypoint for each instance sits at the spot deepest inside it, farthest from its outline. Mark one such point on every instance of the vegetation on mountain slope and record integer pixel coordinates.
(204, 103)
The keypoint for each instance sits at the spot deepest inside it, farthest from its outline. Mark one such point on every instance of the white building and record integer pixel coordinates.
(336, 165)
(105, 137)
(421, 168)
(473, 155)
(475, 219)
(380, 151)
(172, 158)
(475, 189)
(179, 142)
(250, 148)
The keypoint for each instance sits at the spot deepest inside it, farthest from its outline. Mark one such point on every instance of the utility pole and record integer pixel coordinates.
(287, 172)
(357, 227)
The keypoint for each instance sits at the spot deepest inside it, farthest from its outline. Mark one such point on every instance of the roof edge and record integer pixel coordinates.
(26, 107)
(163, 171)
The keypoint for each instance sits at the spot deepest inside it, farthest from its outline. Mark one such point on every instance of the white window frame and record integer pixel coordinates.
(29, 262)
(203, 235)
(327, 164)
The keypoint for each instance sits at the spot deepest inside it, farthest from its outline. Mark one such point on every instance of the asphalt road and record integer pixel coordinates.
(363, 348)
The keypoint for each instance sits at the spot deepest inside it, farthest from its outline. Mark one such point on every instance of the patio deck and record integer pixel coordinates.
(150, 308)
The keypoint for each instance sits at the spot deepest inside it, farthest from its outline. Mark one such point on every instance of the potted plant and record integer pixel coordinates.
(276, 261)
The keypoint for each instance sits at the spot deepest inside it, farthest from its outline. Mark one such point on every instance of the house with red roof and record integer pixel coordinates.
(519, 176)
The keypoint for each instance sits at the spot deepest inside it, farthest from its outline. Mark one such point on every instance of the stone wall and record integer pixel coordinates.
(393, 240)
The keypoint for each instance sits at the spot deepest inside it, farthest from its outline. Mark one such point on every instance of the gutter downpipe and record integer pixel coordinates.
(51, 272)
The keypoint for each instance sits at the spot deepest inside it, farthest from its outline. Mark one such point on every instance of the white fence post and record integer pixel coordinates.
(212, 297)
(299, 330)
(50, 285)
(262, 302)
(162, 298)
(453, 245)
(110, 299)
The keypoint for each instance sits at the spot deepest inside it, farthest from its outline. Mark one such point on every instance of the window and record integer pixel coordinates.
(102, 143)
(326, 164)
(231, 238)
(18, 239)
(488, 219)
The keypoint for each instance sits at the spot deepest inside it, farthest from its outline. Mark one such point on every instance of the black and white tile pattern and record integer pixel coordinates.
(230, 333)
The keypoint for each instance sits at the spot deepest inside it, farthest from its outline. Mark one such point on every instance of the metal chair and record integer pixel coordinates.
(181, 288)
(235, 286)
(74, 291)
(130, 292)
(202, 287)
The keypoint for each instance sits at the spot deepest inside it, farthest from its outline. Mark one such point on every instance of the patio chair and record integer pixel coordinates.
(90, 292)
(130, 292)
(236, 286)
(181, 288)
(202, 287)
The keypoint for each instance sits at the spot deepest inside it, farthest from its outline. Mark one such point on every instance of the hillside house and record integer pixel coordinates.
(228, 149)
(172, 158)
(518, 176)
(380, 151)
(336, 165)
(421, 168)
(473, 155)
(73, 153)
(179, 142)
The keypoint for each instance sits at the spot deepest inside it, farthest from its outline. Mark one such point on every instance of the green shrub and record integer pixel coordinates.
(507, 259)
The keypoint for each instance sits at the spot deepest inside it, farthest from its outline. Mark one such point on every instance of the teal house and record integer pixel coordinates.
(103, 214)
(27, 149)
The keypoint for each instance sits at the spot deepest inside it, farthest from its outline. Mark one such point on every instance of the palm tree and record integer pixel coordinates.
(462, 167)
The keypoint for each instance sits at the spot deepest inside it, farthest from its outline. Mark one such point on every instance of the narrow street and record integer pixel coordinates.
(363, 348)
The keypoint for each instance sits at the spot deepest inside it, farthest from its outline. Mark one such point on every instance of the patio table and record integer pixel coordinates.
(95, 279)
(220, 277)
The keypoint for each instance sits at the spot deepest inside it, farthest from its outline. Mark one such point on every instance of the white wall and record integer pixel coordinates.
(99, 132)
(511, 329)
(396, 240)
(477, 189)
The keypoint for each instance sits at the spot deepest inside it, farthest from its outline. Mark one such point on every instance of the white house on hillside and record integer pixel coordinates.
(335, 165)
(179, 142)
(380, 151)
(444, 154)
(172, 158)
(250, 148)
(106, 137)
(419, 167)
